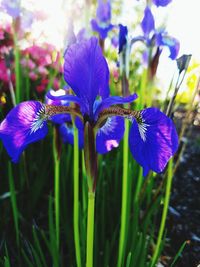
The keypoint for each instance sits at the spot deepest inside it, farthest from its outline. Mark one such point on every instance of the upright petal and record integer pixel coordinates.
(153, 141)
(123, 32)
(110, 134)
(148, 23)
(86, 71)
(104, 11)
(161, 2)
(23, 125)
(12, 7)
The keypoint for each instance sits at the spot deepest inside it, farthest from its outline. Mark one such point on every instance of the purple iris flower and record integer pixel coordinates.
(152, 138)
(101, 23)
(12, 7)
(161, 2)
(158, 37)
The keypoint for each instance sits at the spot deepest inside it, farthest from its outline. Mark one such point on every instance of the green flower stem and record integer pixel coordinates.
(91, 171)
(123, 228)
(57, 189)
(164, 213)
(76, 199)
(90, 229)
(84, 189)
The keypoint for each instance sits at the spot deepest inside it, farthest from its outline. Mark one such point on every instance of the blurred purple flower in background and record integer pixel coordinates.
(11, 7)
(102, 22)
(159, 37)
(161, 2)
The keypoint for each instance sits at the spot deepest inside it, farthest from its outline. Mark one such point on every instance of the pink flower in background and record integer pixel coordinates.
(6, 39)
(3, 72)
(42, 87)
(56, 83)
(42, 71)
(33, 76)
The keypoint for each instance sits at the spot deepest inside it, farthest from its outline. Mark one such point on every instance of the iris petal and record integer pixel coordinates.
(23, 125)
(104, 11)
(109, 136)
(161, 2)
(101, 29)
(148, 23)
(172, 43)
(67, 132)
(154, 141)
(86, 71)
(123, 32)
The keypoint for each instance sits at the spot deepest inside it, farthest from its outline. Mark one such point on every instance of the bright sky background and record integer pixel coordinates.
(183, 22)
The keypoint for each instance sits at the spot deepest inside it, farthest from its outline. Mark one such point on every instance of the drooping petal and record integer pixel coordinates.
(110, 135)
(123, 32)
(161, 2)
(23, 125)
(60, 118)
(101, 29)
(86, 71)
(172, 43)
(153, 141)
(103, 11)
(67, 132)
(148, 23)
(113, 100)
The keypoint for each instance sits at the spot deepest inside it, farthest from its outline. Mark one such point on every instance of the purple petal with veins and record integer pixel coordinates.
(23, 125)
(110, 134)
(153, 141)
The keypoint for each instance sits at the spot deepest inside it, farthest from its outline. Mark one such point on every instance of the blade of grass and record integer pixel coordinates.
(57, 188)
(164, 213)
(179, 253)
(6, 258)
(128, 260)
(52, 235)
(37, 244)
(13, 202)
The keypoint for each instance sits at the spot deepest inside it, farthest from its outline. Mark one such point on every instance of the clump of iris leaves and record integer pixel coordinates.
(44, 199)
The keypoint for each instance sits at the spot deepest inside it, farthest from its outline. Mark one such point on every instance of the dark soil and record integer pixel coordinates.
(184, 212)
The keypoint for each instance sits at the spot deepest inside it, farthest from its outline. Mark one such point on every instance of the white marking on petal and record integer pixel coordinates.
(109, 126)
(38, 120)
(142, 126)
